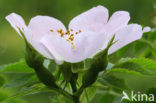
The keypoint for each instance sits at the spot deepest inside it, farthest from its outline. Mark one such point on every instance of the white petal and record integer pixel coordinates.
(56, 45)
(86, 45)
(146, 29)
(41, 25)
(16, 22)
(125, 36)
(91, 20)
(36, 44)
(117, 21)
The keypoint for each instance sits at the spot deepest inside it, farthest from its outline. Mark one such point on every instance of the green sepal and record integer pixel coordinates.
(77, 67)
(99, 63)
(65, 68)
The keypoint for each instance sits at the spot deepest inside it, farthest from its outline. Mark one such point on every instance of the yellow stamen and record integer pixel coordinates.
(51, 30)
(69, 37)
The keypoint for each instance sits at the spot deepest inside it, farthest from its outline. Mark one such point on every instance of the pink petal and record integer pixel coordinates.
(91, 20)
(56, 45)
(36, 44)
(16, 22)
(147, 29)
(118, 20)
(41, 25)
(125, 36)
(86, 45)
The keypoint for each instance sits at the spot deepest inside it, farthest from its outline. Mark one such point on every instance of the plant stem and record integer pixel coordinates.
(76, 99)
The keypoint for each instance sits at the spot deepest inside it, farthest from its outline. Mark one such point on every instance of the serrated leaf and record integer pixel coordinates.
(141, 65)
(133, 80)
(113, 81)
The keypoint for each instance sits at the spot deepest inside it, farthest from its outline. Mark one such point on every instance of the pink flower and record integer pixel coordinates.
(87, 34)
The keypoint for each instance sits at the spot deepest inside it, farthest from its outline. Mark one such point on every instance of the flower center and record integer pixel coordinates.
(68, 35)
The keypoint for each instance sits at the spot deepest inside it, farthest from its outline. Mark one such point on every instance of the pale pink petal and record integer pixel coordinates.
(57, 46)
(147, 29)
(125, 36)
(41, 25)
(91, 20)
(86, 45)
(36, 44)
(117, 21)
(16, 22)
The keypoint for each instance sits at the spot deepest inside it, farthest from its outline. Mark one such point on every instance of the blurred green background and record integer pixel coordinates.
(12, 46)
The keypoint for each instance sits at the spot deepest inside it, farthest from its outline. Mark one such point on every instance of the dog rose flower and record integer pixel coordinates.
(87, 34)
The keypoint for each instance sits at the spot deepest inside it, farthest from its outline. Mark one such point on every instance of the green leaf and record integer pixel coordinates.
(109, 66)
(28, 91)
(152, 35)
(103, 97)
(113, 81)
(18, 75)
(3, 95)
(2, 81)
(18, 67)
(16, 100)
(129, 80)
(59, 99)
(88, 93)
(141, 65)
(21, 81)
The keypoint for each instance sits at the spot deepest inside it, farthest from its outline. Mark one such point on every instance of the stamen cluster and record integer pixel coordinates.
(68, 35)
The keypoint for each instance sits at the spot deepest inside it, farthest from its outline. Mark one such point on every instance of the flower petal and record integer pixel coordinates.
(36, 44)
(41, 25)
(125, 36)
(91, 20)
(86, 45)
(117, 21)
(56, 45)
(16, 22)
(147, 29)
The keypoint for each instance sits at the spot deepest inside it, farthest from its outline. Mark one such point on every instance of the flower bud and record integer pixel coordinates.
(99, 63)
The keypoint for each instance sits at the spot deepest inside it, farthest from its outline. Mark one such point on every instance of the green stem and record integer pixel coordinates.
(73, 82)
(76, 99)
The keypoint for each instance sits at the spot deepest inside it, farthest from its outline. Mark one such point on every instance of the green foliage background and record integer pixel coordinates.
(12, 46)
